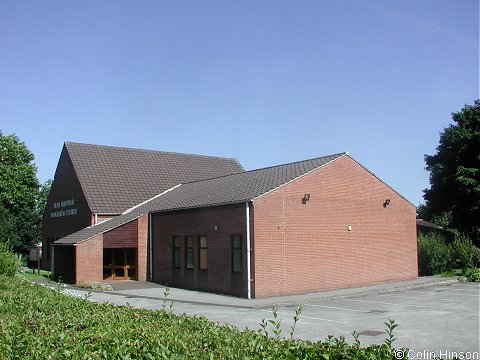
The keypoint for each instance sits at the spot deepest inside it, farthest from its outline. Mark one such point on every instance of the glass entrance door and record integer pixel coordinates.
(119, 264)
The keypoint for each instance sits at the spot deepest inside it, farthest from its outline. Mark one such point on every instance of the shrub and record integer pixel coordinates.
(94, 285)
(9, 263)
(22, 260)
(434, 256)
(40, 323)
(464, 253)
(472, 275)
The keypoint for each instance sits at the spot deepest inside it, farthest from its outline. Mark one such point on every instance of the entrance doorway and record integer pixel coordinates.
(119, 264)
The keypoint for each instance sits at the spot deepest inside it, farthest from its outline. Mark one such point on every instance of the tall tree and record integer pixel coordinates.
(42, 196)
(19, 187)
(8, 229)
(454, 192)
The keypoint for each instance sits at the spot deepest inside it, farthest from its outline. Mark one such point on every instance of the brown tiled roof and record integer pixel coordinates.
(223, 190)
(115, 178)
(424, 223)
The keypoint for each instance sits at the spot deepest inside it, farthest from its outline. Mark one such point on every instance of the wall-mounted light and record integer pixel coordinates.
(215, 227)
(386, 203)
(305, 198)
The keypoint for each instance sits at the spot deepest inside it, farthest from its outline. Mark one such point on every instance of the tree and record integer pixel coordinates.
(8, 229)
(42, 196)
(19, 187)
(454, 194)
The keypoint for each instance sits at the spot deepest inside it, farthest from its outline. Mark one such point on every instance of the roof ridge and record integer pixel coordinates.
(296, 162)
(151, 150)
(269, 167)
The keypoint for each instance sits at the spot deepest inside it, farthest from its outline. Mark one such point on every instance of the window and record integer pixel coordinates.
(189, 252)
(237, 263)
(176, 252)
(203, 253)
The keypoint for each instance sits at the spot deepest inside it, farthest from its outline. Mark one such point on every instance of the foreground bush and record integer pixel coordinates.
(472, 275)
(464, 252)
(9, 263)
(40, 323)
(434, 256)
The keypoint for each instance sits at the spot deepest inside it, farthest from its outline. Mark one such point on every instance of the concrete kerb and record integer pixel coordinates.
(156, 292)
(201, 298)
(384, 288)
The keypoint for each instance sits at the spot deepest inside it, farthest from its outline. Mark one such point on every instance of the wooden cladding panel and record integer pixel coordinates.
(124, 236)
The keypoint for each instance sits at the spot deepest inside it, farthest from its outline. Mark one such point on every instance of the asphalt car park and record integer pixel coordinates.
(438, 320)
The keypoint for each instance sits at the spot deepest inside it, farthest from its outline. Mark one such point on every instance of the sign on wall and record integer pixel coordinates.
(66, 212)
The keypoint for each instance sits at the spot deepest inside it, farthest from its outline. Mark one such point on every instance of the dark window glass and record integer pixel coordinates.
(176, 251)
(189, 252)
(203, 253)
(119, 272)
(118, 257)
(237, 259)
(131, 257)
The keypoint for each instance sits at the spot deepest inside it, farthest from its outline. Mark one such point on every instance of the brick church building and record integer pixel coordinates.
(204, 223)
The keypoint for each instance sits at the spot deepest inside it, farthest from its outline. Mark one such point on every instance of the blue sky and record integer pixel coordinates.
(267, 82)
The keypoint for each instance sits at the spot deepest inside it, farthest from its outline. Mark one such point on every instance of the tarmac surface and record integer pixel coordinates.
(435, 315)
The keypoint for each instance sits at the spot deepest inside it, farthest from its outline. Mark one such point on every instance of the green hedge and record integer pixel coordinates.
(464, 253)
(434, 256)
(9, 263)
(40, 323)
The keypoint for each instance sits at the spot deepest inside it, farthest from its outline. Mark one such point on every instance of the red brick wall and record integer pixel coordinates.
(142, 252)
(124, 236)
(65, 187)
(307, 247)
(89, 260)
(218, 277)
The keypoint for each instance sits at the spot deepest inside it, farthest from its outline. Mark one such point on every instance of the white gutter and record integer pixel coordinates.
(150, 247)
(249, 250)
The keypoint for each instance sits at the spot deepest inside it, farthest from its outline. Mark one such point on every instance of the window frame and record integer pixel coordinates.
(175, 248)
(204, 248)
(187, 248)
(240, 251)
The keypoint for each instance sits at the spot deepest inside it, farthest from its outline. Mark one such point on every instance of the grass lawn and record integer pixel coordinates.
(37, 322)
(32, 274)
